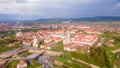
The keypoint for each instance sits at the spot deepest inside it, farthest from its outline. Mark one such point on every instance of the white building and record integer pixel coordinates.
(35, 41)
(19, 34)
(67, 39)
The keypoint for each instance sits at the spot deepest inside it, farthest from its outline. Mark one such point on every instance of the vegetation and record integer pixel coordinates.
(6, 48)
(100, 56)
(40, 43)
(66, 59)
(12, 33)
(9, 33)
(111, 35)
(58, 47)
(6, 40)
(34, 65)
(70, 63)
(30, 30)
(97, 56)
(25, 54)
(13, 64)
(112, 57)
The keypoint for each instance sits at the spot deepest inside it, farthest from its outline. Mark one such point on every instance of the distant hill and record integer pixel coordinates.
(86, 19)
(100, 19)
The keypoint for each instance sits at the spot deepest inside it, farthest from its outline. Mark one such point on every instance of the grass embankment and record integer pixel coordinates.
(70, 63)
(116, 37)
(13, 64)
(35, 64)
(25, 54)
(66, 59)
(7, 48)
(58, 47)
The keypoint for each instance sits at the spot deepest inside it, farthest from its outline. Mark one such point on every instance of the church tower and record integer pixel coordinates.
(35, 41)
(67, 38)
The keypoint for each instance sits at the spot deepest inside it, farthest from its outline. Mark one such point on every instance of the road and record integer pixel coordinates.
(47, 61)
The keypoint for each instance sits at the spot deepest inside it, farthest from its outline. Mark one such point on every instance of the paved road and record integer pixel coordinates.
(46, 61)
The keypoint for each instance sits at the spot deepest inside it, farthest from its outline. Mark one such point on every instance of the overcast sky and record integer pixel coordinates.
(36, 9)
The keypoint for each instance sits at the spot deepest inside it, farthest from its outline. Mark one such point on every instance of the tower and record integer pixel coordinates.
(35, 41)
(19, 34)
(67, 38)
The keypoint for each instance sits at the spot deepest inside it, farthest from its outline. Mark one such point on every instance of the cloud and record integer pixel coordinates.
(59, 8)
(117, 6)
(32, 6)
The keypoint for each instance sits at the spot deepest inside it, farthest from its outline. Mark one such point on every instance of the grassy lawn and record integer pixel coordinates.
(117, 44)
(6, 48)
(116, 37)
(13, 64)
(107, 48)
(67, 55)
(59, 47)
(108, 35)
(25, 54)
(109, 53)
(9, 33)
(35, 64)
(56, 67)
(84, 58)
(66, 59)
(70, 63)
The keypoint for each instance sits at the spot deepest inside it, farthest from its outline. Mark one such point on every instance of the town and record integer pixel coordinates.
(59, 33)
(65, 45)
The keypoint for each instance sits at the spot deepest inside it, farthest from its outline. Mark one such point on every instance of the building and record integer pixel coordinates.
(19, 34)
(35, 41)
(66, 40)
(80, 41)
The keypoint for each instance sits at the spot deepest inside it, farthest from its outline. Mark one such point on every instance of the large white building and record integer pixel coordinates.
(82, 40)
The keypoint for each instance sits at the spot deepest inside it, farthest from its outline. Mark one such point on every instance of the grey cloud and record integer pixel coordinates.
(60, 8)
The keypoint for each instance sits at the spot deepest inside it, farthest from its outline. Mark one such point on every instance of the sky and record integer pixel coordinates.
(37, 9)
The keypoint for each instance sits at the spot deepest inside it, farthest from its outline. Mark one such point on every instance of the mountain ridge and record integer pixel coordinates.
(86, 19)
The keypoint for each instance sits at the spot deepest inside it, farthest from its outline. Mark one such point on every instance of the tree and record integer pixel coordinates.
(1, 41)
(98, 54)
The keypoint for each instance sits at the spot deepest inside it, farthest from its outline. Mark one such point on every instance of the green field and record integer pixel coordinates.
(35, 64)
(7, 48)
(58, 47)
(66, 59)
(25, 54)
(70, 63)
(13, 64)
